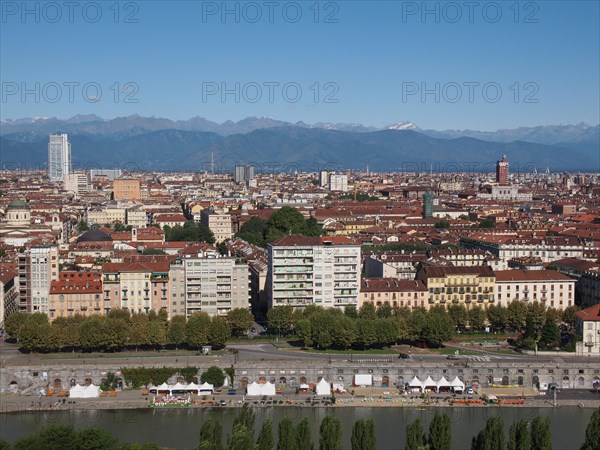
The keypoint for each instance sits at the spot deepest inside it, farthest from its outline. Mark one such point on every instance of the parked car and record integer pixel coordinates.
(453, 357)
(469, 390)
(404, 356)
(231, 392)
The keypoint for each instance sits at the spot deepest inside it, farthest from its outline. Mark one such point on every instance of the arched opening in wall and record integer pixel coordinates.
(244, 383)
(581, 382)
(319, 379)
(303, 380)
(565, 382)
(385, 381)
(88, 381)
(72, 382)
(596, 383)
(505, 380)
(195, 380)
(490, 380)
(293, 381)
(262, 380)
(341, 379)
(13, 386)
(272, 380)
(475, 382)
(400, 382)
(282, 380)
(520, 381)
(181, 380)
(535, 381)
(57, 384)
(119, 383)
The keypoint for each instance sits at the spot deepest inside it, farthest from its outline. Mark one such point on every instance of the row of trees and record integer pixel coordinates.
(284, 221)
(371, 326)
(137, 377)
(522, 436)
(119, 330)
(290, 436)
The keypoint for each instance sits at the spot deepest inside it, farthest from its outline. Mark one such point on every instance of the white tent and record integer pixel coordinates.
(268, 389)
(206, 388)
(415, 383)
(193, 387)
(258, 390)
(323, 387)
(363, 380)
(339, 387)
(163, 387)
(443, 383)
(253, 389)
(77, 391)
(456, 383)
(92, 391)
(178, 387)
(429, 383)
(304, 386)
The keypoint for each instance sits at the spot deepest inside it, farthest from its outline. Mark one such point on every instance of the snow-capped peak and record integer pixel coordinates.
(402, 126)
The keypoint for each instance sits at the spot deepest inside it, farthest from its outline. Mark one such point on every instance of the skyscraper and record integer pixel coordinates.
(428, 204)
(244, 173)
(59, 156)
(502, 171)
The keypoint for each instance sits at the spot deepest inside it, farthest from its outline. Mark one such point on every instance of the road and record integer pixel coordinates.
(9, 354)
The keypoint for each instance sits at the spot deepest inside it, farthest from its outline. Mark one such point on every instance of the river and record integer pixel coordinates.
(179, 428)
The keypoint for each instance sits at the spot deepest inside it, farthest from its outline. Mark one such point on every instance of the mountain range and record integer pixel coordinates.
(150, 143)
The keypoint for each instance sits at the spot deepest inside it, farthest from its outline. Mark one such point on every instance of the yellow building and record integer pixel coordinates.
(76, 293)
(467, 286)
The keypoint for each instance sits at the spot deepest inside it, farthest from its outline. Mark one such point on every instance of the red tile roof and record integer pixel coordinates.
(530, 275)
(591, 314)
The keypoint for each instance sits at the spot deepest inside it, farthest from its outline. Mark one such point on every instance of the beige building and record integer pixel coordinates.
(77, 183)
(76, 293)
(127, 189)
(215, 284)
(218, 222)
(552, 288)
(138, 284)
(469, 286)
(394, 292)
(137, 218)
(588, 326)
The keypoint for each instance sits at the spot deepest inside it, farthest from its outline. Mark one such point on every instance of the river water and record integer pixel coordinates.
(180, 428)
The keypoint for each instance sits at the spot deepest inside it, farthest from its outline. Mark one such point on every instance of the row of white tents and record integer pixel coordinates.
(192, 388)
(268, 389)
(90, 391)
(455, 385)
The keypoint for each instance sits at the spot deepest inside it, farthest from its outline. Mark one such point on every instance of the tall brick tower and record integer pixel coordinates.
(502, 171)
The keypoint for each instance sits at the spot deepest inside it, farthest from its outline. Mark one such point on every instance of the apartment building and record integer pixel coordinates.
(552, 288)
(9, 293)
(77, 183)
(177, 279)
(38, 266)
(305, 270)
(136, 218)
(138, 284)
(127, 189)
(469, 286)
(215, 284)
(505, 247)
(394, 292)
(588, 327)
(76, 293)
(218, 222)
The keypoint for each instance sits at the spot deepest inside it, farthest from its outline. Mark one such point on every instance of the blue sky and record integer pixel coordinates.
(535, 64)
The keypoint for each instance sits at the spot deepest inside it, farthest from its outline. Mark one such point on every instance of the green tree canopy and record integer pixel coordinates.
(213, 375)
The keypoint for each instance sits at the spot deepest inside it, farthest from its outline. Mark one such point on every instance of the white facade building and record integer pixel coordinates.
(551, 288)
(313, 270)
(215, 285)
(338, 183)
